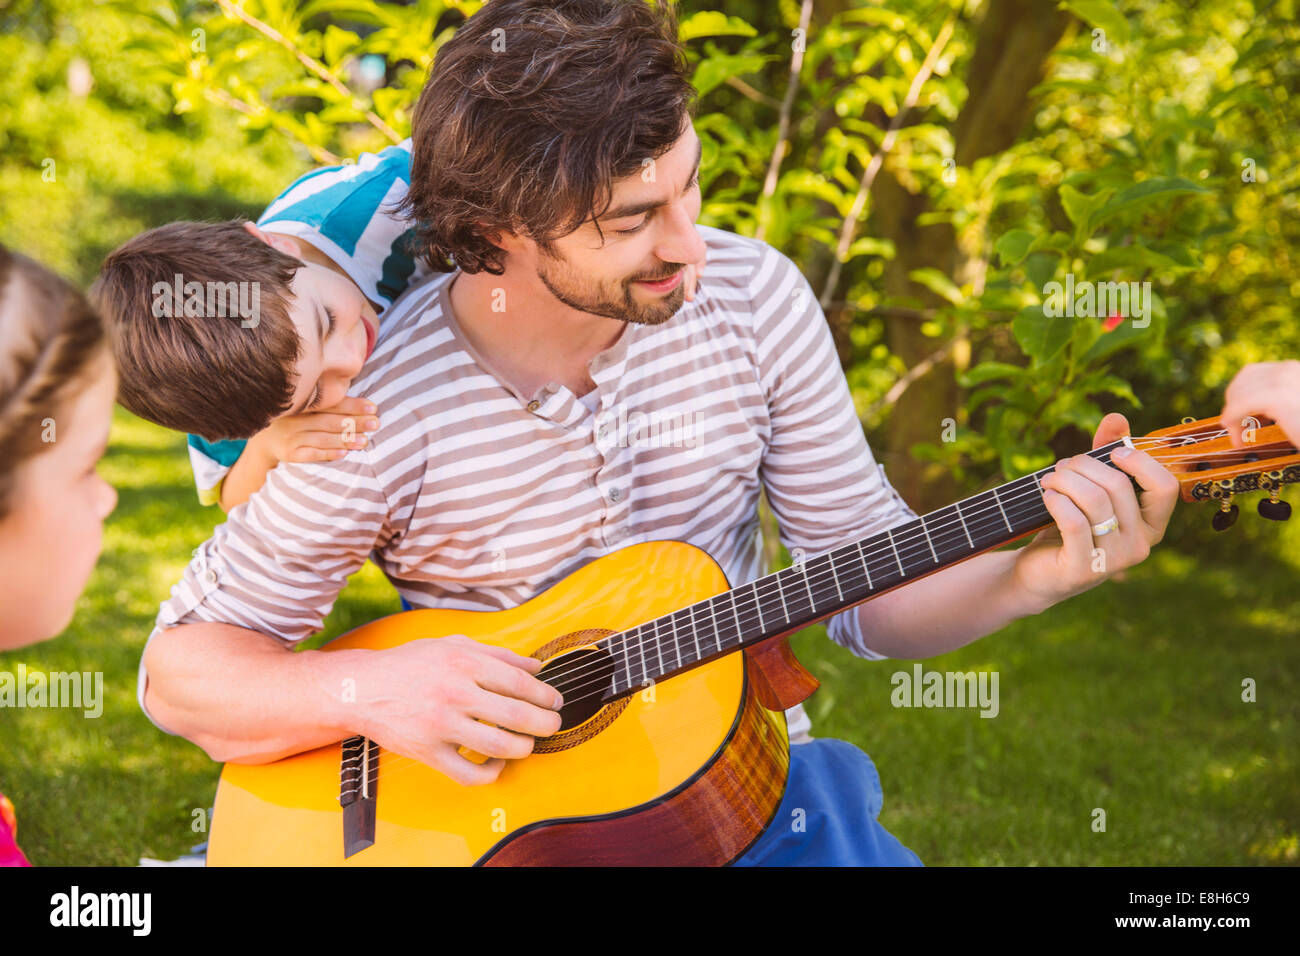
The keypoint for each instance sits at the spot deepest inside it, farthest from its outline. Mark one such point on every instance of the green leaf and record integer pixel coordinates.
(1081, 208)
(1012, 246)
(988, 371)
(720, 67)
(938, 283)
(1120, 337)
(338, 43)
(1040, 336)
(1101, 13)
(1148, 191)
(713, 23)
(1134, 260)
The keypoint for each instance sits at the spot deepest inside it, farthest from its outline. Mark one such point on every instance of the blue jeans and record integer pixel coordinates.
(828, 814)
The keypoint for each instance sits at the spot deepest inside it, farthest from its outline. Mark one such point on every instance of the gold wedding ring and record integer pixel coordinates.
(1106, 527)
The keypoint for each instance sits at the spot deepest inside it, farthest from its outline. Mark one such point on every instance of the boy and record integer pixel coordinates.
(248, 336)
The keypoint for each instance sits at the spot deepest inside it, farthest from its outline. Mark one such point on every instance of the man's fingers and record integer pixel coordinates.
(1112, 428)
(1118, 488)
(492, 741)
(508, 680)
(1159, 488)
(515, 715)
(447, 760)
(1074, 526)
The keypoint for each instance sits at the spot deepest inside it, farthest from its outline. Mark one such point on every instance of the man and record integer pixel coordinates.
(555, 163)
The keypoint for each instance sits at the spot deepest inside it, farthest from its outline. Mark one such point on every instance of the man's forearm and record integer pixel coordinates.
(244, 697)
(946, 610)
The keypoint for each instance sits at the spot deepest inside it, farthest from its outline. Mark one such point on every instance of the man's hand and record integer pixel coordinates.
(426, 699)
(325, 435)
(1083, 492)
(1270, 389)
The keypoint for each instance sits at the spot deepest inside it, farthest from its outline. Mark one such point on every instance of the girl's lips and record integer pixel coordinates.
(663, 285)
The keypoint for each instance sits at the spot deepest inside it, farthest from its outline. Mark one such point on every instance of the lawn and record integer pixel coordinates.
(1127, 699)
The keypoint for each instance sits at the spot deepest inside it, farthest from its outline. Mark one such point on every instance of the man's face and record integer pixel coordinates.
(631, 267)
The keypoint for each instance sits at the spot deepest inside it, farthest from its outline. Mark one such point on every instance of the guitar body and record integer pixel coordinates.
(687, 772)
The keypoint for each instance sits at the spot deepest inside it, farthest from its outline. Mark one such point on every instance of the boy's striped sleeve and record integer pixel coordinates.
(211, 462)
(349, 213)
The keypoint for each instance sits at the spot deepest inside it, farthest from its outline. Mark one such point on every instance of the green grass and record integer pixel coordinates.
(1127, 698)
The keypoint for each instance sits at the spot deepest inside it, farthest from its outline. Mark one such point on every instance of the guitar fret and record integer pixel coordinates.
(1000, 508)
(758, 606)
(962, 521)
(627, 660)
(735, 613)
(717, 633)
(803, 572)
(644, 672)
(929, 540)
(835, 577)
(672, 622)
(862, 555)
(889, 532)
(781, 593)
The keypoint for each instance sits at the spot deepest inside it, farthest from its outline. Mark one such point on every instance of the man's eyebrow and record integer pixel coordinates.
(635, 209)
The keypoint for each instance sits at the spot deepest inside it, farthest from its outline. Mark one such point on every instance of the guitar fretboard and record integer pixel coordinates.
(818, 587)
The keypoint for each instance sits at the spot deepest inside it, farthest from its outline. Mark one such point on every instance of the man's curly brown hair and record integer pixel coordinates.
(532, 111)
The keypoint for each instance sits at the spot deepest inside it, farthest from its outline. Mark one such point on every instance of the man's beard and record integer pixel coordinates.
(612, 300)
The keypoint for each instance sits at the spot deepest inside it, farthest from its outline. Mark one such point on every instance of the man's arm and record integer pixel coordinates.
(826, 491)
(222, 674)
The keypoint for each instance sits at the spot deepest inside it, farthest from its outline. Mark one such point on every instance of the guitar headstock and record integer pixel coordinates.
(1200, 454)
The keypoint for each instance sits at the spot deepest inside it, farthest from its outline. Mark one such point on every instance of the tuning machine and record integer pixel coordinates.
(1275, 509)
(1226, 516)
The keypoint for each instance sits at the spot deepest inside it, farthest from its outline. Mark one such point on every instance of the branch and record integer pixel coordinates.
(318, 153)
(869, 174)
(912, 374)
(314, 66)
(787, 107)
(736, 83)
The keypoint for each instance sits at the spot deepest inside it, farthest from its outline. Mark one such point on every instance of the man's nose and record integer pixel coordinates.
(682, 242)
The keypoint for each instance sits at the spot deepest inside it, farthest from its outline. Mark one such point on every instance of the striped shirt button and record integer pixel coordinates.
(534, 405)
(615, 494)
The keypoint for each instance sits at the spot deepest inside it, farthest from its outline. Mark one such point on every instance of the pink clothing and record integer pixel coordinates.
(10, 855)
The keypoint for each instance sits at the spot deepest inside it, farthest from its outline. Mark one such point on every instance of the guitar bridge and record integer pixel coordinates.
(358, 786)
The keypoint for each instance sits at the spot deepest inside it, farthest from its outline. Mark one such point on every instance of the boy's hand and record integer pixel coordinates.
(1265, 388)
(325, 435)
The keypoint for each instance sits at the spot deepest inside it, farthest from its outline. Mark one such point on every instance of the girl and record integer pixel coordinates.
(57, 386)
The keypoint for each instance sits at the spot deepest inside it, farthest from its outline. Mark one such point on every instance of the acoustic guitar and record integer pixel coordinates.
(673, 747)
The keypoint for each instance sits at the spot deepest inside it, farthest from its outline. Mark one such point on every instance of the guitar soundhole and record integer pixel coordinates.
(584, 677)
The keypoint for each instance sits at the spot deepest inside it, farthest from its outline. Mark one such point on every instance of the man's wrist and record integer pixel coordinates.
(337, 677)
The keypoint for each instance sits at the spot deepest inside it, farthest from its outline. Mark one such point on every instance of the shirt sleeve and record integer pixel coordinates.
(349, 213)
(211, 462)
(279, 561)
(822, 481)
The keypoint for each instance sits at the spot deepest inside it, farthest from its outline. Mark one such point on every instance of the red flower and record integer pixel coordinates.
(1111, 321)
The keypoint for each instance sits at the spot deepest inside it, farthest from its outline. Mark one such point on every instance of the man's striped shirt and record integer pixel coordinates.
(472, 495)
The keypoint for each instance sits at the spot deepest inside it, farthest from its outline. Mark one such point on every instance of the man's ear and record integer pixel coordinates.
(286, 244)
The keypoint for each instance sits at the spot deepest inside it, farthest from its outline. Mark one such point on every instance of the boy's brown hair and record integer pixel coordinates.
(49, 338)
(531, 112)
(196, 358)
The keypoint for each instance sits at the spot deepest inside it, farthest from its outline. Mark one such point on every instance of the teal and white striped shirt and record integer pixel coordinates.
(348, 212)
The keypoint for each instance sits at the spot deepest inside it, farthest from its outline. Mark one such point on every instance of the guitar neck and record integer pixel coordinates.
(816, 588)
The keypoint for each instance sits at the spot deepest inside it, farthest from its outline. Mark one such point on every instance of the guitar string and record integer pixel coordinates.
(1020, 512)
(399, 761)
(913, 538)
(749, 604)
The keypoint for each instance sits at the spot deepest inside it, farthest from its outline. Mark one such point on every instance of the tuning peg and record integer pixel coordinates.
(1225, 517)
(1274, 509)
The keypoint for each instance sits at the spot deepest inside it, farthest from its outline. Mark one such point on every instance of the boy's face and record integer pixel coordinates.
(648, 234)
(51, 537)
(337, 329)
